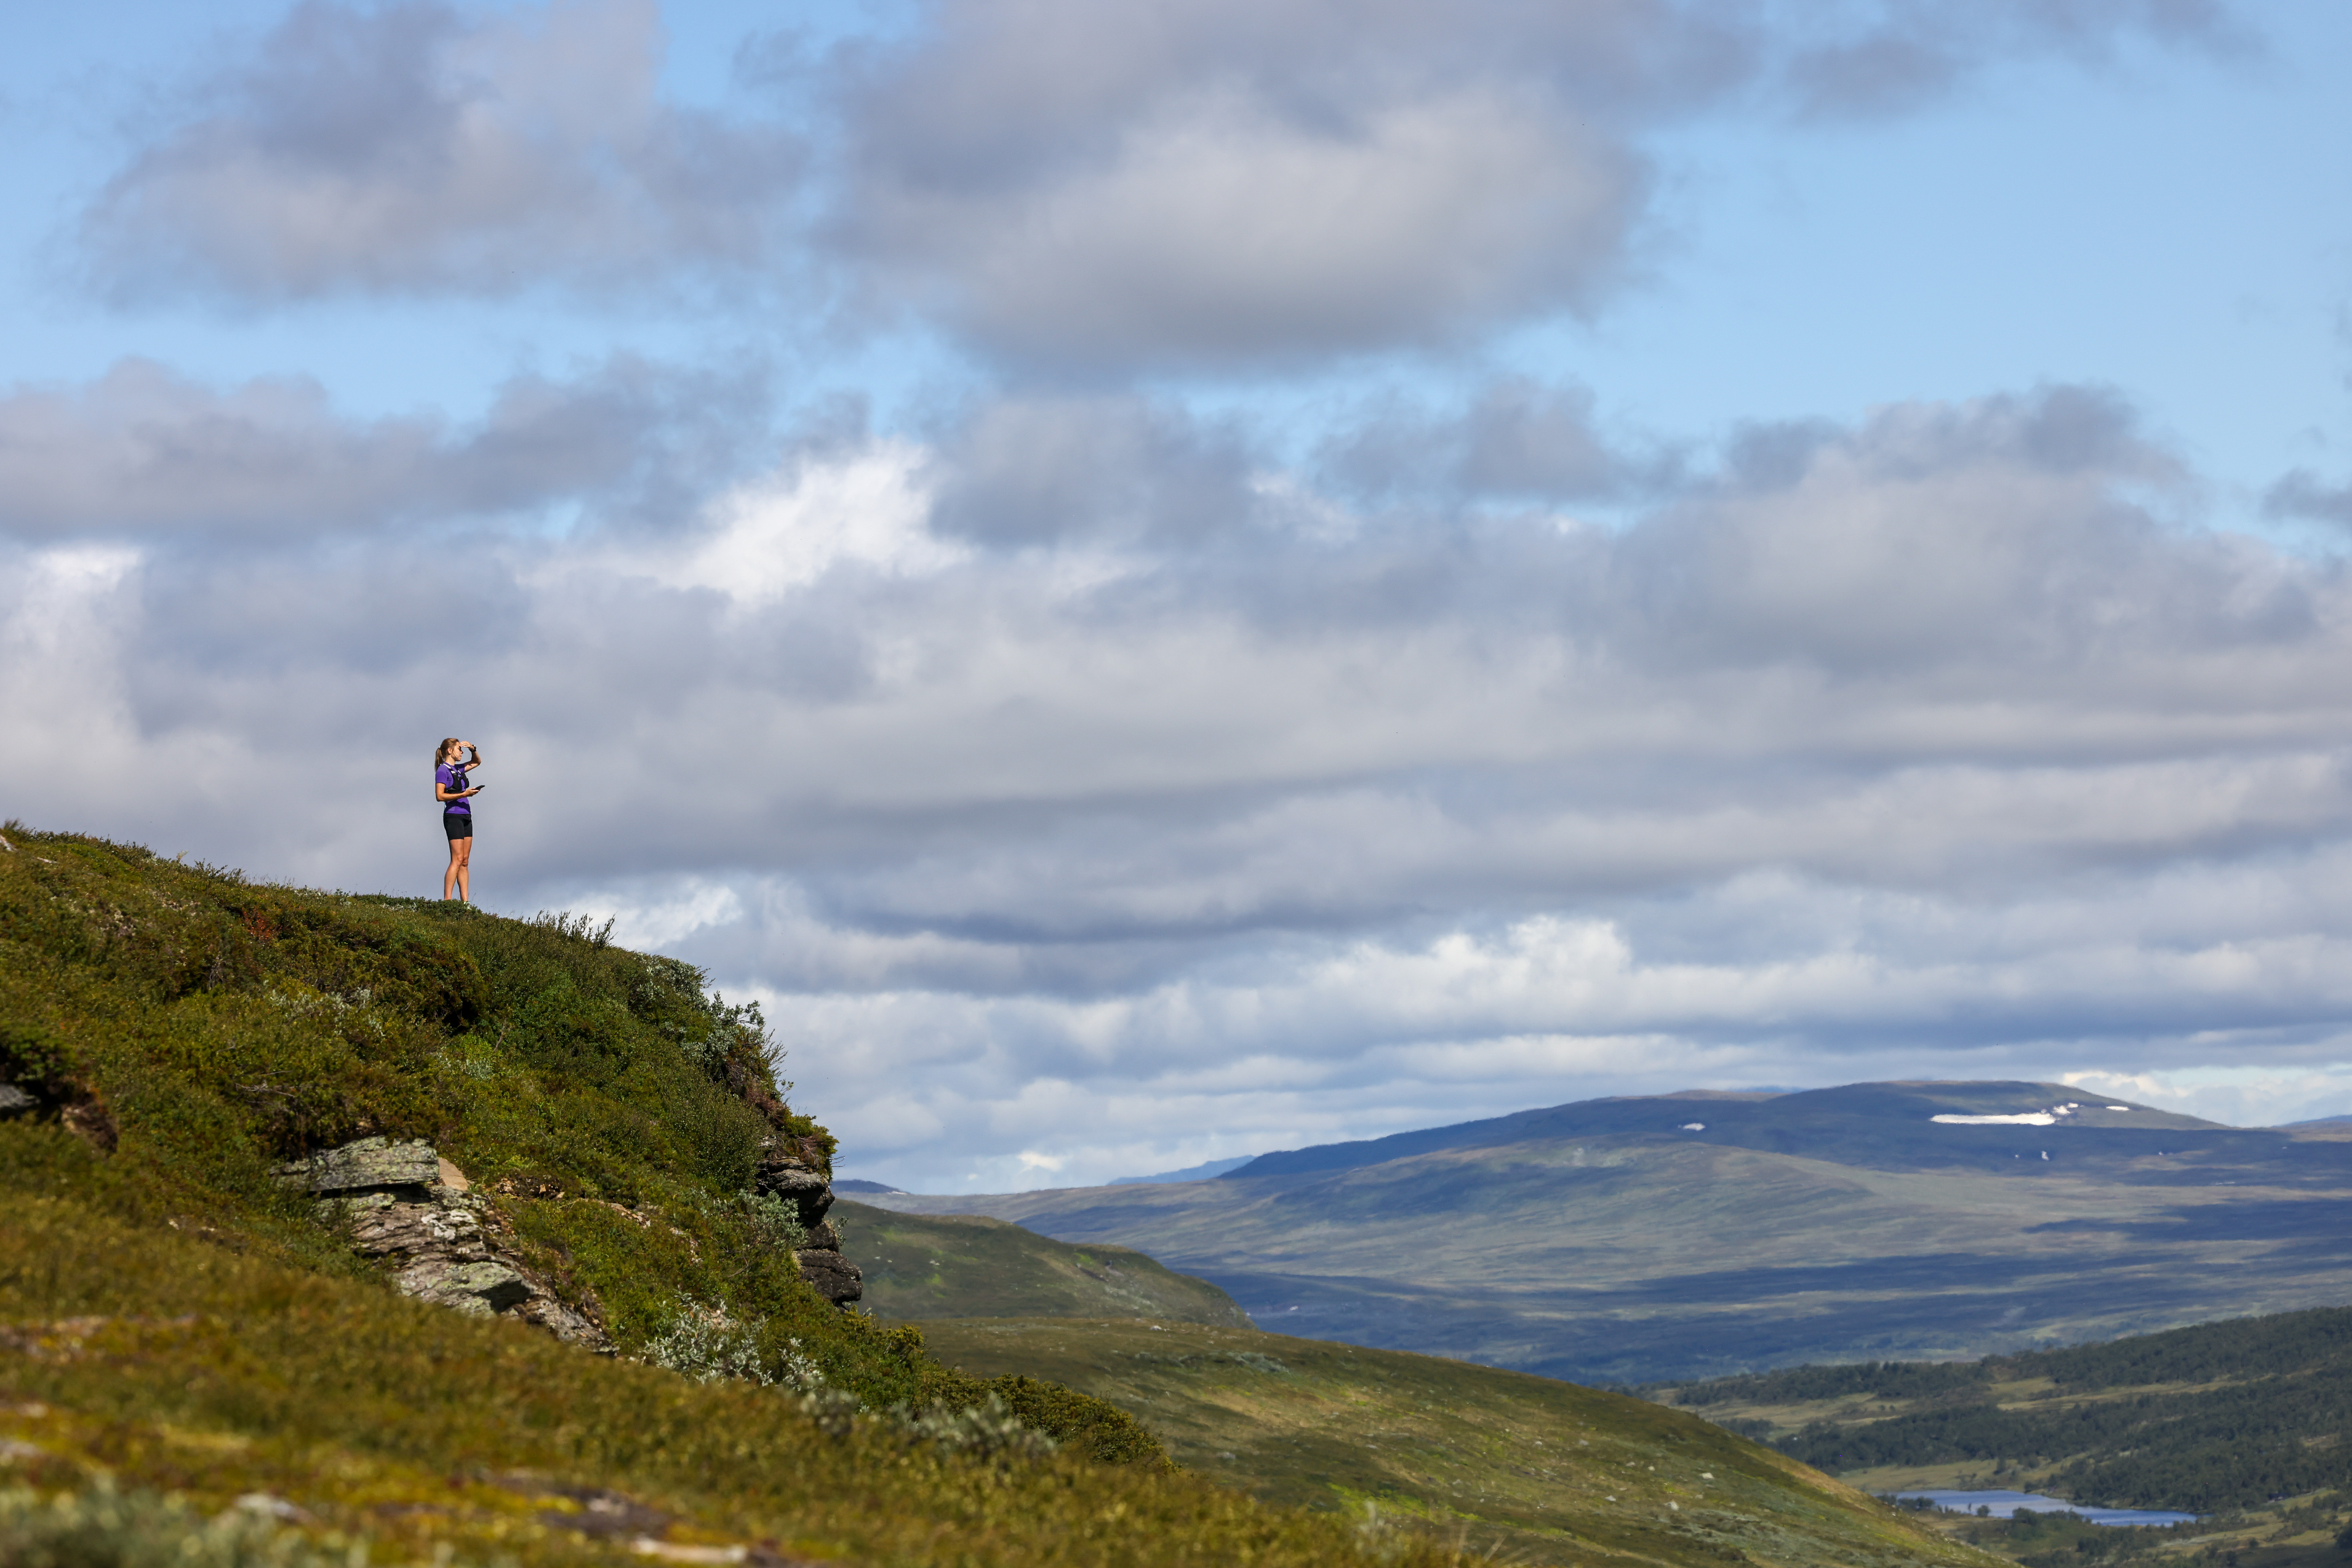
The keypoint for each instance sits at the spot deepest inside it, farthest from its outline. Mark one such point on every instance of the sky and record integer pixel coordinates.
(1163, 581)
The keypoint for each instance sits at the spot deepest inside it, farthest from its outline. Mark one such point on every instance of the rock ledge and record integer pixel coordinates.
(407, 1204)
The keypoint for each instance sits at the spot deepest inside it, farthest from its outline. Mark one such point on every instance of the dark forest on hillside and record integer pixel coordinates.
(2226, 1414)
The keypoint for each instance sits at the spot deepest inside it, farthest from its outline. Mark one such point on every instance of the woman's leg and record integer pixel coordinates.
(454, 876)
(465, 847)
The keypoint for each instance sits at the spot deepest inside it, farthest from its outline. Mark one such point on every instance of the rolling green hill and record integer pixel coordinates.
(1525, 1469)
(918, 1269)
(1696, 1234)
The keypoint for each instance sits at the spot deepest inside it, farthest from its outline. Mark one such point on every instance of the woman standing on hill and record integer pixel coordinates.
(451, 759)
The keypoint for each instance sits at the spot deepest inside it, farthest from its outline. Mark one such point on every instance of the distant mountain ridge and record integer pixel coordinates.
(1807, 1121)
(1671, 1236)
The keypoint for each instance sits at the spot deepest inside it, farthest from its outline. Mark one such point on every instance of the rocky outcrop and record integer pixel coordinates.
(446, 1245)
(835, 1278)
(784, 1173)
(406, 1204)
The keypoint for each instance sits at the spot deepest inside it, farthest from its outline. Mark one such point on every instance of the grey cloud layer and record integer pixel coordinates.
(1226, 185)
(413, 149)
(1943, 742)
(146, 454)
(1083, 187)
(1516, 438)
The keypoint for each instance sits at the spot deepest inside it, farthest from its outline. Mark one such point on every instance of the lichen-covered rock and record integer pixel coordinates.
(545, 1310)
(480, 1288)
(372, 1164)
(406, 1204)
(386, 1229)
(835, 1276)
(823, 1238)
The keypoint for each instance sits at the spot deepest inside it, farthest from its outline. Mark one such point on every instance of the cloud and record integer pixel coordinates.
(1101, 190)
(785, 530)
(1224, 232)
(1220, 185)
(1029, 472)
(2303, 494)
(1090, 190)
(413, 148)
(1516, 438)
(1891, 55)
(2245, 1096)
(1942, 743)
(145, 453)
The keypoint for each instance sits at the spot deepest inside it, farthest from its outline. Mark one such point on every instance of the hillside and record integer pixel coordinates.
(1685, 1236)
(598, 1147)
(918, 1269)
(335, 1223)
(1525, 1469)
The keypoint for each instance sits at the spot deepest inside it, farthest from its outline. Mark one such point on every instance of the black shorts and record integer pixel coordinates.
(456, 825)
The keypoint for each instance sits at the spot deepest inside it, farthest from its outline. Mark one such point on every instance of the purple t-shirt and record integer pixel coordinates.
(452, 778)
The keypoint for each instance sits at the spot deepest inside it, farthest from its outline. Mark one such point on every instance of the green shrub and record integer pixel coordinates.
(103, 1527)
(708, 1346)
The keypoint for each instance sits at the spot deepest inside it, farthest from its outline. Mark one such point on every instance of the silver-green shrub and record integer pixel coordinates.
(773, 1220)
(987, 1431)
(103, 1527)
(708, 1346)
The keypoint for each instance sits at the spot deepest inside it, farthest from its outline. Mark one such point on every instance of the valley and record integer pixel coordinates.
(1525, 1469)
